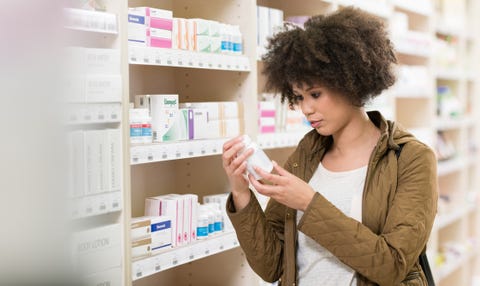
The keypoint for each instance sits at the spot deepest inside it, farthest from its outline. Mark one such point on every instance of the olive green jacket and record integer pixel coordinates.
(399, 207)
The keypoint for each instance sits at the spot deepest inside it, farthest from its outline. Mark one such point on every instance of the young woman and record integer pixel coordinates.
(348, 208)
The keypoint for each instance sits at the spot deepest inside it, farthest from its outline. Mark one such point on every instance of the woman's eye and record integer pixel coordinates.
(298, 98)
(316, 94)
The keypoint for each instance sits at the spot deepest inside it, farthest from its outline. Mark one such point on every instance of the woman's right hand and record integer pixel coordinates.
(235, 166)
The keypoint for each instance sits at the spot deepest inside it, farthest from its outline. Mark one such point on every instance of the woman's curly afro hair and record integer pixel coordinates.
(347, 51)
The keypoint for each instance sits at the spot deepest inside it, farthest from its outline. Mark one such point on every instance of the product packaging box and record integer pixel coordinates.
(149, 37)
(232, 127)
(113, 164)
(180, 129)
(161, 233)
(103, 88)
(151, 17)
(95, 160)
(87, 61)
(141, 247)
(163, 109)
(179, 34)
(97, 249)
(219, 110)
(108, 277)
(191, 203)
(76, 174)
(171, 207)
(102, 61)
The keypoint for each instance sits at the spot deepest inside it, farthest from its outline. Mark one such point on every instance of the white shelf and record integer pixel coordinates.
(91, 21)
(184, 254)
(444, 220)
(450, 166)
(149, 153)
(94, 205)
(179, 58)
(89, 113)
(279, 140)
(423, 7)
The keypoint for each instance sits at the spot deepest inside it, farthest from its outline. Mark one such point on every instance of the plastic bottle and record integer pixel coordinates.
(237, 48)
(202, 224)
(135, 126)
(146, 122)
(258, 158)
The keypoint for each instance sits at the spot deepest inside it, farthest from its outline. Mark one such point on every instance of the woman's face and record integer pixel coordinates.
(328, 112)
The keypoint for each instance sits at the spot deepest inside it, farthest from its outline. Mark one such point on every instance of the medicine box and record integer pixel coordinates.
(97, 249)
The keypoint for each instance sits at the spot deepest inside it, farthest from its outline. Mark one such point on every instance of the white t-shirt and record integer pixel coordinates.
(316, 265)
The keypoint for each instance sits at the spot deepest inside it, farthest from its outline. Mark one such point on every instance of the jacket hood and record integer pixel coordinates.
(392, 135)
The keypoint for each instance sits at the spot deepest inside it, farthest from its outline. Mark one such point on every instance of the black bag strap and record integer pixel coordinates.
(423, 256)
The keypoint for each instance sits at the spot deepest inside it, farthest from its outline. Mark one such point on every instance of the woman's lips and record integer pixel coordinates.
(315, 124)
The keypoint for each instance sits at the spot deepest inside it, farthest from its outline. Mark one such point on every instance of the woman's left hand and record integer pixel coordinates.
(284, 187)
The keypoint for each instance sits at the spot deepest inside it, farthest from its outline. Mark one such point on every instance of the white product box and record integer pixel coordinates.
(232, 127)
(150, 37)
(218, 110)
(141, 247)
(103, 88)
(77, 163)
(200, 124)
(263, 24)
(275, 17)
(214, 28)
(186, 216)
(215, 129)
(114, 160)
(180, 128)
(102, 61)
(203, 44)
(202, 26)
(161, 233)
(232, 109)
(179, 34)
(92, 168)
(163, 109)
(108, 277)
(215, 45)
(152, 15)
(191, 206)
(191, 35)
(171, 207)
(140, 228)
(97, 249)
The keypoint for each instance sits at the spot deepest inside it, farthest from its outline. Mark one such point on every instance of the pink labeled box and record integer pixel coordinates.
(152, 17)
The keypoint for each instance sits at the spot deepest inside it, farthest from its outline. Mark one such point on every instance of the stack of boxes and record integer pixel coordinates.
(150, 27)
(275, 116)
(150, 235)
(171, 121)
(182, 209)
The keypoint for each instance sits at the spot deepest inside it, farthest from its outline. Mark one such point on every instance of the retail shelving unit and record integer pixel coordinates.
(94, 122)
(195, 167)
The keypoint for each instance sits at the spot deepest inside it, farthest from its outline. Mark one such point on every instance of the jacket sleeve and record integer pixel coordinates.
(260, 237)
(384, 258)
(261, 234)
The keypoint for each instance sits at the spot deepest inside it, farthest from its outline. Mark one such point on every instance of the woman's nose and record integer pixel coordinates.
(306, 107)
